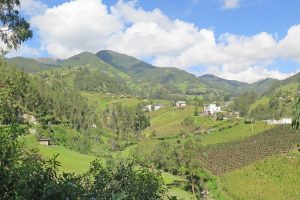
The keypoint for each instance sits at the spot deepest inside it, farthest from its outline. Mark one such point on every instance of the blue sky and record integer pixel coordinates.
(251, 17)
(230, 38)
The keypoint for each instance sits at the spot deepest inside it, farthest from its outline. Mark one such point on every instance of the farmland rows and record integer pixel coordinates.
(226, 157)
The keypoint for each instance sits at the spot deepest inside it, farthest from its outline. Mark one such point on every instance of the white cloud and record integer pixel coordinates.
(33, 7)
(24, 51)
(230, 4)
(89, 25)
(75, 26)
(289, 47)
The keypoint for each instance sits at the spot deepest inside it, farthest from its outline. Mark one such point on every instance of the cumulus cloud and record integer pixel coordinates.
(230, 4)
(75, 26)
(25, 51)
(89, 25)
(289, 47)
(33, 7)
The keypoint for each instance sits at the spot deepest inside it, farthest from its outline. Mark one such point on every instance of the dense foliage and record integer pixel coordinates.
(296, 117)
(179, 159)
(14, 29)
(124, 120)
(49, 98)
(98, 81)
(25, 175)
(276, 105)
(242, 103)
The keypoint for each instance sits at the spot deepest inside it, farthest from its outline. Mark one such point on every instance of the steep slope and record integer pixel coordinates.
(263, 86)
(30, 65)
(231, 86)
(238, 88)
(278, 101)
(294, 78)
(143, 72)
(90, 60)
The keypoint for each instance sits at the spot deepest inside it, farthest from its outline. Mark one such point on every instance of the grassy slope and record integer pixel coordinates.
(70, 161)
(274, 178)
(236, 133)
(74, 162)
(167, 122)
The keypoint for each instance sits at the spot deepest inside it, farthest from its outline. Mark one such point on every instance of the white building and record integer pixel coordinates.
(157, 107)
(180, 104)
(281, 121)
(148, 108)
(212, 109)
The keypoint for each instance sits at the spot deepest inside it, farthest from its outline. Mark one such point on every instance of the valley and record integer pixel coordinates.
(117, 109)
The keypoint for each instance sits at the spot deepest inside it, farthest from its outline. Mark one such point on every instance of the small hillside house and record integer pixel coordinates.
(45, 142)
(211, 109)
(180, 104)
(150, 108)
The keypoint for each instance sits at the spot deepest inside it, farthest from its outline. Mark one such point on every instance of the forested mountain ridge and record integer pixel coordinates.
(30, 65)
(126, 74)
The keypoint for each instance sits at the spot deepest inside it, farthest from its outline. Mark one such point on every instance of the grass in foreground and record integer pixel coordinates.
(275, 178)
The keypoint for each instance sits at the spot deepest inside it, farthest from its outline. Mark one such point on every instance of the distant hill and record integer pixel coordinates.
(30, 65)
(237, 87)
(141, 77)
(263, 86)
(142, 72)
(231, 86)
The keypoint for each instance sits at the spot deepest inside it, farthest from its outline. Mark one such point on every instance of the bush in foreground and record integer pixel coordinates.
(24, 175)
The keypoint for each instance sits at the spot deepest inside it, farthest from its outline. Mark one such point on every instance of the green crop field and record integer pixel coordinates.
(275, 178)
(238, 132)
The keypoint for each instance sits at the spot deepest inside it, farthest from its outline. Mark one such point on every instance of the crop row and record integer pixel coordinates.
(226, 157)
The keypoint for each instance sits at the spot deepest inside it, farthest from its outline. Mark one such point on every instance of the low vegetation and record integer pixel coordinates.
(273, 178)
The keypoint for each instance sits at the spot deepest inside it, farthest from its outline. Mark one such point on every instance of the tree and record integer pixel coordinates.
(141, 121)
(196, 112)
(14, 29)
(188, 123)
(24, 175)
(296, 117)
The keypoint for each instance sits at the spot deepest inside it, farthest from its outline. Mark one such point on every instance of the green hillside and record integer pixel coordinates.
(115, 72)
(236, 88)
(172, 78)
(229, 86)
(30, 65)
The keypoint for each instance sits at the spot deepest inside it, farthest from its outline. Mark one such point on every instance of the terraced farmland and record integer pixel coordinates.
(226, 157)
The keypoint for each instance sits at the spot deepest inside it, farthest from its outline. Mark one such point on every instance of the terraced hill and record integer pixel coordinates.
(226, 157)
